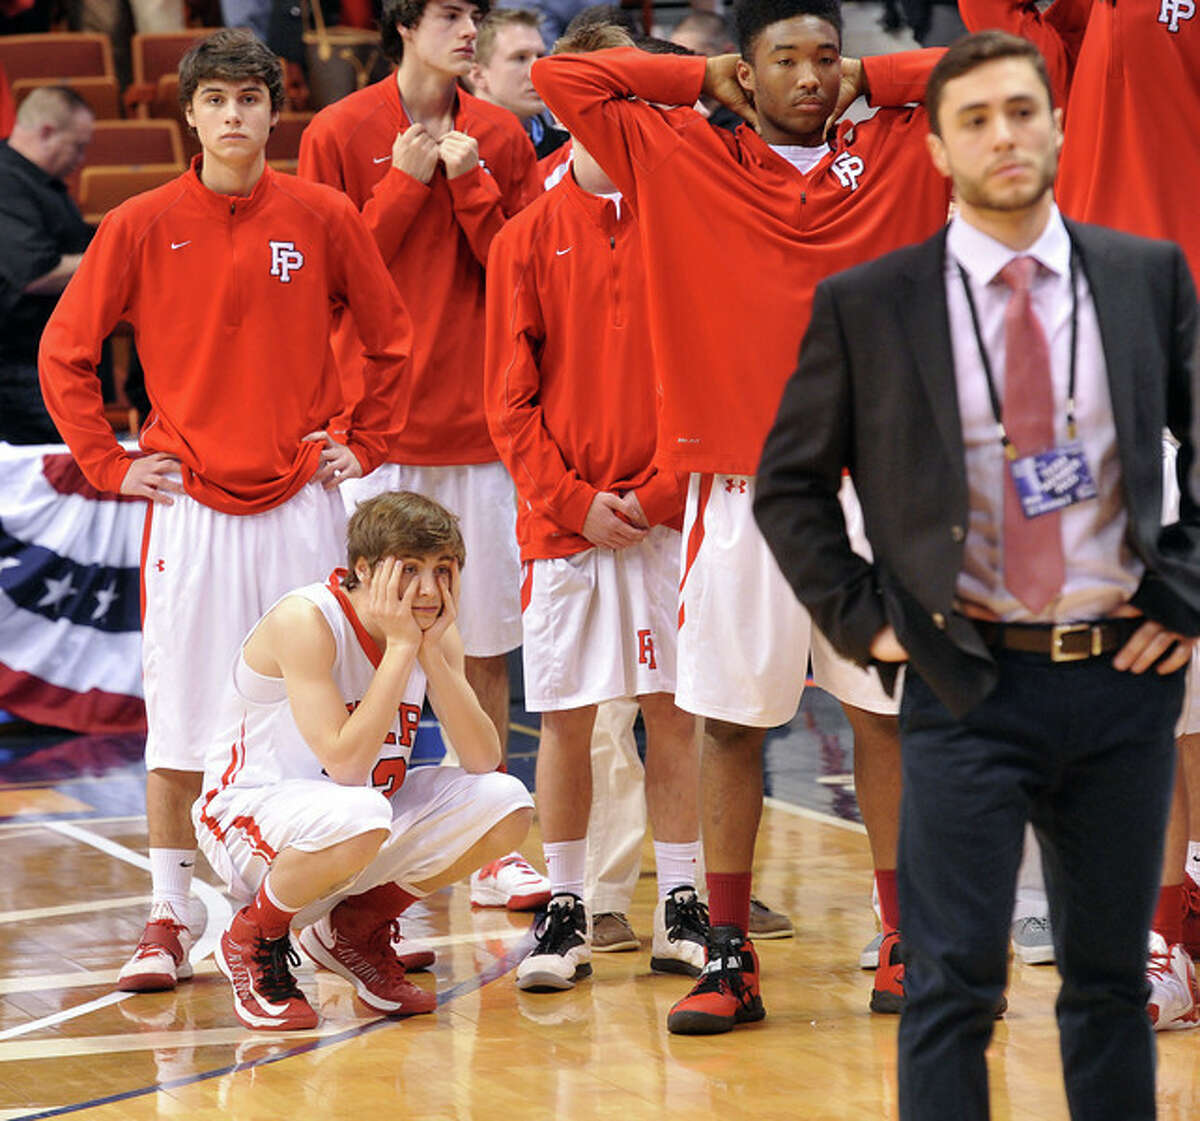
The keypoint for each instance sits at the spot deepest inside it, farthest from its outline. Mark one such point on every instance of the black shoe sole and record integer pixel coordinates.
(687, 1022)
(888, 1004)
(673, 965)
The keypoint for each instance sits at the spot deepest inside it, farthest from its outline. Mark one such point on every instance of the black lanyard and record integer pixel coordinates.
(1009, 450)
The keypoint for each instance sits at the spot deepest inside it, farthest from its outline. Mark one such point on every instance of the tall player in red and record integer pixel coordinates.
(1110, 63)
(241, 474)
(436, 173)
(752, 221)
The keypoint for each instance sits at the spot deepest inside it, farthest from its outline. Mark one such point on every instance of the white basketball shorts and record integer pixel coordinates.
(601, 624)
(435, 817)
(483, 497)
(206, 579)
(744, 638)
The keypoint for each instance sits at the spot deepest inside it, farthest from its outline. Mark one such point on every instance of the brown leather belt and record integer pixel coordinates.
(1059, 642)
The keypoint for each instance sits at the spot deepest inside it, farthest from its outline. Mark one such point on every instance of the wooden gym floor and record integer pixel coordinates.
(74, 894)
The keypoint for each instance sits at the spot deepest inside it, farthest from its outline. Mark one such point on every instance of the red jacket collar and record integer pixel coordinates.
(222, 204)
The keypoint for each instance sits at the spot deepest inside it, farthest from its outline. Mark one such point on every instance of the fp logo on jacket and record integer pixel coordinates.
(285, 260)
(1172, 11)
(848, 167)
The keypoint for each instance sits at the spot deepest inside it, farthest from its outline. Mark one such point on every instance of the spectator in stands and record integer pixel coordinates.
(507, 46)
(555, 15)
(42, 239)
(706, 33)
(121, 19)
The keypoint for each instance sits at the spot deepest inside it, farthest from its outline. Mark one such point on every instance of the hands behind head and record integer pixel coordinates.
(721, 84)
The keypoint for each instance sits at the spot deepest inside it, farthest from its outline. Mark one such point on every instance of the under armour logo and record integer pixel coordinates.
(160, 564)
(1172, 11)
(735, 485)
(848, 167)
(646, 649)
(285, 260)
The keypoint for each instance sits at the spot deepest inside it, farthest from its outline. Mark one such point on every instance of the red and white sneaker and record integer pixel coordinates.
(1191, 916)
(414, 955)
(510, 882)
(1174, 1001)
(161, 957)
(727, 991)
(365, 957)
(887, 993)
(265, 994)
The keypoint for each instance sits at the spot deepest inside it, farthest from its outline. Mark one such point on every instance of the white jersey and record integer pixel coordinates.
(259, 743)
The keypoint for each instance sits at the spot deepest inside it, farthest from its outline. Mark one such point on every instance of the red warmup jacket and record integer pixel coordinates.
(735, 239)
(434, 239)
(231, 302)
(551, 168)
(8, 108)
(1131, 138)
(569, 376)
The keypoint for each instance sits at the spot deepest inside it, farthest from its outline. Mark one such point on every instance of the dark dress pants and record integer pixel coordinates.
(1086, 754)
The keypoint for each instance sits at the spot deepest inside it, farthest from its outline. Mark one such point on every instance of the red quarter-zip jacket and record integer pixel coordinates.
(734, 238)
(1131, 138)
(231, 302)
(569, 375)
(434, 239)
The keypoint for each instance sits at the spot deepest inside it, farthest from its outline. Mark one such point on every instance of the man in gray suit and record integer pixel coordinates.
(998, 394)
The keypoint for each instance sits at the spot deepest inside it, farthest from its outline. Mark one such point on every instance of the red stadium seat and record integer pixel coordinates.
(158, 53)
(59, 54)
(284, 142)
(102, 188)
(101, 93)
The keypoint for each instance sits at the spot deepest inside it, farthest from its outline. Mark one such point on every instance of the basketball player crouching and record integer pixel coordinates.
(309, 810)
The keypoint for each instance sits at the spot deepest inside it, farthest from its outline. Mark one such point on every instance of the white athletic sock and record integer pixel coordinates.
(1193, 860)
(565, 862)
(675, 865)
(171, 878)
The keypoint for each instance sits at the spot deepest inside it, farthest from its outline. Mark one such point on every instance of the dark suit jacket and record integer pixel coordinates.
(875, 392)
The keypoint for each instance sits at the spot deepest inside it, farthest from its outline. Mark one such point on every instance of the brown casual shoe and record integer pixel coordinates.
(611, 932)
(765, 923)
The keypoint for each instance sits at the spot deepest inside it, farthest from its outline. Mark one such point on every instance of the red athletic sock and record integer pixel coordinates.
(1168, 915)
(889, 899)
(264, 914)
(380, 904)
(729, 899)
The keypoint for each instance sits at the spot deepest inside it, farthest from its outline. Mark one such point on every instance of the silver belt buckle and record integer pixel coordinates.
(1060, 630)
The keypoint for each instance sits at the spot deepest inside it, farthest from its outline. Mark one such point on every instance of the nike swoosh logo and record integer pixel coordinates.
(561, 252)
(380, 159)
(179, 244)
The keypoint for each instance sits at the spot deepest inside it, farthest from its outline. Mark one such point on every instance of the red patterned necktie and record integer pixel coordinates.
(1033, 553)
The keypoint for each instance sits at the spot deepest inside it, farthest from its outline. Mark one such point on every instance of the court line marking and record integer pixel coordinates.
(216, 906)
(74, 908)
(61, 1048)
(502, 965)
(124, 819)
(814, 815)
(90, 978)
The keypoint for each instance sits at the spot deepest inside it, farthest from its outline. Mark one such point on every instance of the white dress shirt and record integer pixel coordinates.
(1101, 571)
